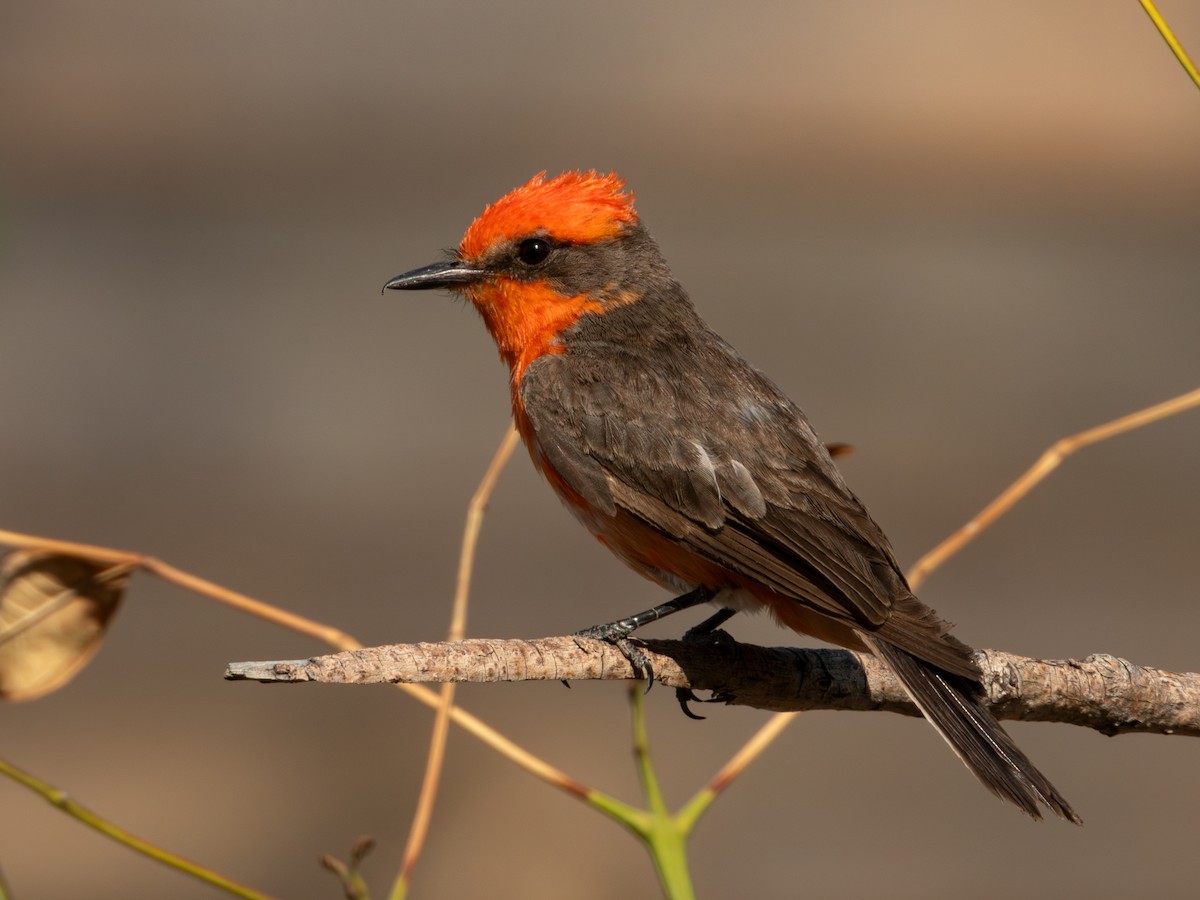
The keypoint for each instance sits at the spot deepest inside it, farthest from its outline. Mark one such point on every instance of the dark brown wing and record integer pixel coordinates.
(708, 450)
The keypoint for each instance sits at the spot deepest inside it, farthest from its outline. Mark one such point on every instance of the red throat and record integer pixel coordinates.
(526, 318)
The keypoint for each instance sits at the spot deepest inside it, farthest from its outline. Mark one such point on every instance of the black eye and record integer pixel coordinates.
(533, 251)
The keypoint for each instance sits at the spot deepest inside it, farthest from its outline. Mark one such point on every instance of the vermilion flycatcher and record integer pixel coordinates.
(689, 464)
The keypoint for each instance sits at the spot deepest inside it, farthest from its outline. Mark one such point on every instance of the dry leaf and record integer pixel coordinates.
(54, 610)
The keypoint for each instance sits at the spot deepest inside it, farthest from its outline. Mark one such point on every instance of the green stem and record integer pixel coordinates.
(641, 752)
(665, 839)
(1173, 42)
(87, 817)
(634, 819)
(687, 817)
(668, 849)
(661, 832)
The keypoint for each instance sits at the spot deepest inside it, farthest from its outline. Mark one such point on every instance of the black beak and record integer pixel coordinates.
(437, 275)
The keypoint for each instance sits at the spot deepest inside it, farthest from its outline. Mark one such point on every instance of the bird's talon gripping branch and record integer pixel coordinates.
(689, 464)
(637, 659)
(617, 634)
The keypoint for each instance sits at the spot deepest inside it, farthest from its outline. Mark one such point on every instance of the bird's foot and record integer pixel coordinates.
(707, 632)
(617, 634)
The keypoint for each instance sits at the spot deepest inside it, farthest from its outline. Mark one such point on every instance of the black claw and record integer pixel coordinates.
(637, 659)
(686, 696)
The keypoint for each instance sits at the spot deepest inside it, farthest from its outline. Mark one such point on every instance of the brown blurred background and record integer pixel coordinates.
(953, 231)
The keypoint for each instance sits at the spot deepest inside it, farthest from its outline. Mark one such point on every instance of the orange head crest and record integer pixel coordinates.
(527, 263)
(572, 208)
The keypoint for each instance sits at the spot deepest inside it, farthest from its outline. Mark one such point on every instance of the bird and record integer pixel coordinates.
(691, 465)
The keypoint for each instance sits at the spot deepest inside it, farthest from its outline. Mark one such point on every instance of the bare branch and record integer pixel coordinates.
(1046, 463)
(1102, 692)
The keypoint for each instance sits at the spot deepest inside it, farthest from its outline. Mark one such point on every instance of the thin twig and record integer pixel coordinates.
(458, 625)
(82, 814)
(475, 513)
(334, 637)
(1047, 463)
(324, 633)
(1173, 42)
(750, 751)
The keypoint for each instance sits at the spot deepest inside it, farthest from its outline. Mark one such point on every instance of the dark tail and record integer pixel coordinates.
(952, 705)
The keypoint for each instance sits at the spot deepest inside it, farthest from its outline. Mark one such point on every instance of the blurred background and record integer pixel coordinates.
(954, 232)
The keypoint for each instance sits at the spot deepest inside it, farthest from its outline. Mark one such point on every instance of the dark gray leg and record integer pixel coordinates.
(617, 633)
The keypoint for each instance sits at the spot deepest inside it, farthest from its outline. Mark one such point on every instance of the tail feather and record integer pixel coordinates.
(953, 706)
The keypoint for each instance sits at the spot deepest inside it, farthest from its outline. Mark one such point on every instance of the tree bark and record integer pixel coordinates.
(1110, 695)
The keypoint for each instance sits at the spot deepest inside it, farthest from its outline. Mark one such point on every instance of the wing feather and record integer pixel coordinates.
(736, 474)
